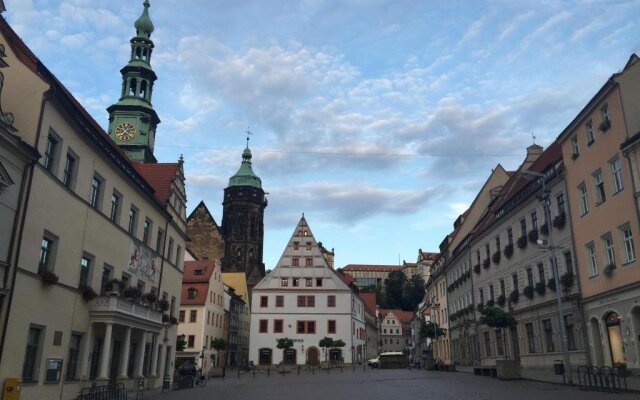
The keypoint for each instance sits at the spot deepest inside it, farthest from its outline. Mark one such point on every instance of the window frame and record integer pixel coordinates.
(628, 244)
(51, 151)
(70, 170)
(583, 199)
(598, 183)
(96, 191)
(616, 175)
(592, 259)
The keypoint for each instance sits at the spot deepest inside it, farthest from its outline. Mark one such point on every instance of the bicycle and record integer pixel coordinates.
(199, 380)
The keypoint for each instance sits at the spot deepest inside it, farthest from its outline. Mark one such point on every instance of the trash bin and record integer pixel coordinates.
(11, 389)
(558, 367)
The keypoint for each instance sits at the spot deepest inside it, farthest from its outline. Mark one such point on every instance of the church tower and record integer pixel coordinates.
(243, 222)
(132, 120)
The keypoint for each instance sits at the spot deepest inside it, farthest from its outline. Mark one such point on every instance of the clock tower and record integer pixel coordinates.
(132, 120)
(243, 222)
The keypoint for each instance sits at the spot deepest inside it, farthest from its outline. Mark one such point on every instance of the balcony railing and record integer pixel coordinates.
(118, 305)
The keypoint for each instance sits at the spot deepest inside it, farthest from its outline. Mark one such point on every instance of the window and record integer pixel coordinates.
(264, 301)
(85, 265)
(604, 112)
(529, 277)
(491, 292)
(514, 281)
(509, 235)
(629, 248)
(308, 262)
(308, 245)
(295, 261)
(146, 231)
(530, 337)
(279, 301)
(534, 220)
(616, 175)
(181, 315)
(46, 254)
(574, 147)
(481, 294)
(599, 185)
(69, 171)
(588, 127)
(193, 315)
(306, 327)
(133, 216)
(593, 261)
(178, 254)
(498, 243)
(191, 342)
(331, 300)
(296, 245)
(610, 254)
(114, 213)
(159, 240)
(548, 335)
(331, 326)
(502, 288)
(296, 282)
(568, 262)
(319, 282)
(541, 276)
(32, 354)
(278, 326)
(96, 191)
(74, 353)
(487, 343)
(308, 282)
(582, 195)
(568, 325)
(306, 301)
(191, 293)
(523, 227)
(50, 152)
(170, 251)
(311, 301)
(284, 282)
(560, 203)
(499, 344)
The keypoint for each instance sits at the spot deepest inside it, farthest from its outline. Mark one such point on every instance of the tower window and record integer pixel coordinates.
(143, 89)
(133, 86)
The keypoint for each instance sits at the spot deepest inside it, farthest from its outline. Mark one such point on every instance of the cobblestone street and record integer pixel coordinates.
(380, 384)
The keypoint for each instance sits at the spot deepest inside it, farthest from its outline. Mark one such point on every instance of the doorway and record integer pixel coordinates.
(616, 344)
(313, 356)
(289, 356)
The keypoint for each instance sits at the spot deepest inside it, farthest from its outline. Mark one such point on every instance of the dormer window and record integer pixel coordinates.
(191, 293)
(198, 272)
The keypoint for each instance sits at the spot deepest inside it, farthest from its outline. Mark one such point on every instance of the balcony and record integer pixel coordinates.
(120, 310)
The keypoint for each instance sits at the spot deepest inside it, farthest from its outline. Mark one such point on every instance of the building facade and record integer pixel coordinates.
(239, 308)
(395, 331)
(370, 275)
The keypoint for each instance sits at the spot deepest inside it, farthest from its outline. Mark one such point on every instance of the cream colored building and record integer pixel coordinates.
(201, 316)
(92, 215)
(238, 282)
(600, 151)
(367, 275)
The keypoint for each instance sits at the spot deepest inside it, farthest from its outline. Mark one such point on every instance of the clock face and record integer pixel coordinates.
(125, 131)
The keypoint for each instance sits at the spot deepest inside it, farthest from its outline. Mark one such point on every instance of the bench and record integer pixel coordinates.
(486, 371)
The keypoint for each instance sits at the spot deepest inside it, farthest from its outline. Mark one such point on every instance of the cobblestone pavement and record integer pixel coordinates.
(380, 384)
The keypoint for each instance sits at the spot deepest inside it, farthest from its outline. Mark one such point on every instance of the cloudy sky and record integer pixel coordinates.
(379, 119)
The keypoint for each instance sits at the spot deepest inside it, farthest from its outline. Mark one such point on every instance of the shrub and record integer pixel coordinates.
(528, 291)
(132, 293)
(508, 250)
(513, 296)
(496, 257)
(541, 288)
(150, 297)
(533, 235)
(522, 242)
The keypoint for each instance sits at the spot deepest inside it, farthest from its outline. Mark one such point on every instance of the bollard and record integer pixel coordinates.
(354, 368)
(313, 370)
(364, 367)
(298, 369)
(254, 371)
(238, 372)
(224, 372)
(268, 371)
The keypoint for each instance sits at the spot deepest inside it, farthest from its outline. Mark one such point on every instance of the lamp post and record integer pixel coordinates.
(434, 306)
(546, 205)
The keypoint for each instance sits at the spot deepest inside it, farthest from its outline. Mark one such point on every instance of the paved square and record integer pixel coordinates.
(380, 384)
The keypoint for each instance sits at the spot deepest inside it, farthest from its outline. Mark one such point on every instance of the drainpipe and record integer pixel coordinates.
(26, 191)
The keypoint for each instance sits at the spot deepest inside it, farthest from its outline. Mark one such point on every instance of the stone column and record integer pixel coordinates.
(124, 354)
(106, 352)
(86, 353)
(154, 355)
(141, 349)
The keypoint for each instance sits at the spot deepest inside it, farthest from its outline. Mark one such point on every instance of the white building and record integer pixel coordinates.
(303, 299)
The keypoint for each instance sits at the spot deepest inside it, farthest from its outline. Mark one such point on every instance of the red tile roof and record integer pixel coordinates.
(404, 316)
(428, 256)
(366, 267)
(190, 268)
(160, 176)
(346, 278)
(202, 289)
(369, 301)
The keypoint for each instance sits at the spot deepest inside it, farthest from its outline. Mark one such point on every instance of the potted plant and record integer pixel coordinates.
(486, 263)
(501, 300)
(551, 284)
(490, 303)
(513, 296)
(522, 242)
(48, 277)
(113, 287)
(87, 292)
(163, 305)
(132, 293)
(609, 269)
(567, 280)
(173, 320)
(149, 298)
(476, 268)
(533, 235)
(497, 318)
(496, 257)
(165, 318)
(528, 291)
(508, 250)
(541, 288)
(544, 229)
(560, 220)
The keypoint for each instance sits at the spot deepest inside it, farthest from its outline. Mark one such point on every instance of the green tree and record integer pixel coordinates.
(325, 343)
(413, 293)
(218, 344)
(181, 342)
(284, 344)
(431, 330)
(495, 317)
(393, 287)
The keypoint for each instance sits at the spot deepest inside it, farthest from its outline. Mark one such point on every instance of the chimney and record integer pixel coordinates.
(533, 152)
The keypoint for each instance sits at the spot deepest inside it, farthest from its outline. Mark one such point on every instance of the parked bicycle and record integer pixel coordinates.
(199, 379)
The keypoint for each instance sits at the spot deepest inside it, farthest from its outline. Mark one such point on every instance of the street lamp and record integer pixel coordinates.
(434, 306)
(546, 203)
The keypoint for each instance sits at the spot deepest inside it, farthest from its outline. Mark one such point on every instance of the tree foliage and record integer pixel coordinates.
(429, 330)
(338, 343)
(218, 344)
(326, 342)
(413, 293)
(181, 342)
(400, 292)
(394, 285)
(496, 317)
(284, 343)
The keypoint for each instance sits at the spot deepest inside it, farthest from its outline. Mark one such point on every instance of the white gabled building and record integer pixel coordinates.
(305, 300)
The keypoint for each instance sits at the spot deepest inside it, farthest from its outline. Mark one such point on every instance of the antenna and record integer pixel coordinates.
(248, 132)
(533, 137)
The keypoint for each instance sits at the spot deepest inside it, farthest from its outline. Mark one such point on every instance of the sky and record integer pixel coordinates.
(378, 119)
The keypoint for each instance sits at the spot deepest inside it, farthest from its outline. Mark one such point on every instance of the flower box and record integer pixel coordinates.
(513, 296)
(605, 125)
(501, 300)
(163, 305)
(48, 277)
(476, 268)
(609, 269)
(559, 221)
(533, 235)
(528, 291)
(551, 284)
(522, 242)
(88, 293)
(486, 263)
(508, 250)
(540, 288)
(496, 257)
(544, 229)
(132, 293)
(567, 280)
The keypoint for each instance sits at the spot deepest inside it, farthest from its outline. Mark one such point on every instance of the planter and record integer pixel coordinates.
(490, 303)
(559, 221)
(48, 277)
(113, 287)
(567, 280)
(88, 293)
(609, 269)
(507, 369)
(544, 229)
(486, 263)
(528, 292)
(522, 242)
(508, 250)
(551, 284)
(480, 307)
(163, 305)
(501, 300)
(533, 235)
(476, 268)
(496, 257)
(540, 288)
(514, 296)
(132, 293)
(605, 125)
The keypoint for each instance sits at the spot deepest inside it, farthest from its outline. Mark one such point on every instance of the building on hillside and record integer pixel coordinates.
(102, 239)
(395, 333)
(370, 275)
(512, 273)
(201, 314)
(239, 306)
(452, 257)
(372, 328)
(305, 300)
(206, 240)
(424, 263)
(329, 256)
(243, 222)
(409, 269)
(600, 151)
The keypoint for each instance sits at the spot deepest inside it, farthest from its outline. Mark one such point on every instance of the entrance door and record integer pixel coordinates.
(313, 356)
(616, 345)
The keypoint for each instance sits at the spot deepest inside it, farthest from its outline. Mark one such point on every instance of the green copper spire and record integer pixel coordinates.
(143, 25)
(245, 175)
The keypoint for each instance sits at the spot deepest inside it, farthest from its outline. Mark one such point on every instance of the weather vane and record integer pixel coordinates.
(533, 137)
(248, 132)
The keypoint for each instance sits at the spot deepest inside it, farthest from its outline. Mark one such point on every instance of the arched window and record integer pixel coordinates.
(143, 89)
(138, 53)
(265, 356)
(133, 85)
